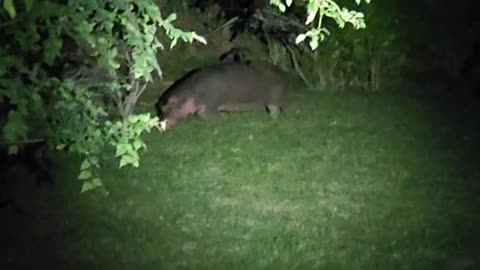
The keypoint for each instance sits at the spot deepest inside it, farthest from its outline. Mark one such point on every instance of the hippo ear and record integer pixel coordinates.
(165, 108)
(173, 100)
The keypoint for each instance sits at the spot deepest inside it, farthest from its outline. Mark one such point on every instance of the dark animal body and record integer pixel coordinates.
(229, 87)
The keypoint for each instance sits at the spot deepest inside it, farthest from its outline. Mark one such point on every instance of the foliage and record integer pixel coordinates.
(373, 58)
(282, 31)
(320, 9)
(72, 72)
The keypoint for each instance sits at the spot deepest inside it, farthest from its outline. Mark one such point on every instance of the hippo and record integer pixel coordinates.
(223, 87)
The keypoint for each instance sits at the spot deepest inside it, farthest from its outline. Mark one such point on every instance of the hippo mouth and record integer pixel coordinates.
(163, 125)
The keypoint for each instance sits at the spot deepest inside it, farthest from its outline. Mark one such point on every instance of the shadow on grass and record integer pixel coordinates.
(456, 121)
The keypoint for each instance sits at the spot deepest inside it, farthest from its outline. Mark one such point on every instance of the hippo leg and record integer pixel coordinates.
(206, 113)
(274, 111)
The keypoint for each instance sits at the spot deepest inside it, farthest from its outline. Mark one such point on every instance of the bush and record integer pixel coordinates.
(71, 74)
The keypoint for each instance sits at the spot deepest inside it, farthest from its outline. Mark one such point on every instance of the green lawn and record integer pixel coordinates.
(345, 181)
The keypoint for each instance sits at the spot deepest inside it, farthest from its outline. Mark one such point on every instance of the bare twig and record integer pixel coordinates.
(225, 25)
(140, 92)
(297, 68)
(27, 141)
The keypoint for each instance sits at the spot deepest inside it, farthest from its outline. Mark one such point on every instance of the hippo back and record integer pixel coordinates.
(242, 83)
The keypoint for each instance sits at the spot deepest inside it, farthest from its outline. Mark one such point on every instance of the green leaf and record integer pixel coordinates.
(85, 165)
(300, 38)
(136, 164)
(289, 2)
(94, 161)
(10, 8)
(121, 150)
(172, 17)
(52, 48)
(97, 133)
(137, 144)
(97, 182)
(28, 4)
(16, 127)
(199, 38)
(133, 118)
(314, 42)
(85, 174)
(133, 156)
(174, 42)
(123, 161)
(128, 147)
(322, 36)
(12, 149)
(144, 117)
(87, 186)
(311, 16)
(60, 146)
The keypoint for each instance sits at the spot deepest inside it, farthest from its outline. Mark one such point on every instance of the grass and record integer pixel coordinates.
(345, 181)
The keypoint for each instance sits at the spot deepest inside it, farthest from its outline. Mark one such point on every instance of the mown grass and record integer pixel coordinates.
(345, 181)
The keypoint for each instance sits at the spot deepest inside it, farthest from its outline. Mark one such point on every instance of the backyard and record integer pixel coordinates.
(344, 181)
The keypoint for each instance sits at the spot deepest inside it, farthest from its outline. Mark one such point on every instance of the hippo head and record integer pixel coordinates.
(174, 109)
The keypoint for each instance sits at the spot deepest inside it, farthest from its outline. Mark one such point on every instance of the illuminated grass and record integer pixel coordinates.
(344, 182)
